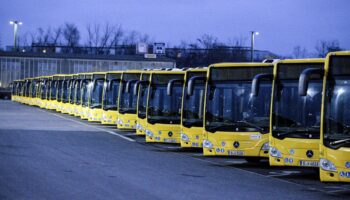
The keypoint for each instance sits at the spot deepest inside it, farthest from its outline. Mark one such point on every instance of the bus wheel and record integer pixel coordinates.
(253, 159)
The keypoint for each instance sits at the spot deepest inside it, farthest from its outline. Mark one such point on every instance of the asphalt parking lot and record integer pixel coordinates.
(47, 155)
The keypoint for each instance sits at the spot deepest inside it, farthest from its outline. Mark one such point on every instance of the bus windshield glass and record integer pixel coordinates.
(296, 116)
(193, 105)
(59, 90)
(231, 106)
(96, 94)
(85, 90)
(65, 91)
(337, 107)
(161, 107)
(43, 89)
(128, 101)
(111, 96)
(53, 90)
(77, 97)
(143, 95)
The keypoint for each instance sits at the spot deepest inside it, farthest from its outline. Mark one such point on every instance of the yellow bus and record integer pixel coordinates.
(50, 93)
(164, 106)
(236, 120)
(95, 97)
(26, 91)
(295, 119)
(127, 100)
(110, 98)
(59, 93)
(335, 119)
(78, 95)
(141, 90)
(42, 91)
(86, 85)
(66, 84)
(72, 94)
(192, 108)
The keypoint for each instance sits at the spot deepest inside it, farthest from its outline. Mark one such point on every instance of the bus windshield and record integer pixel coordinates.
(65, 91)
(85, 90)
(59, 90)
(128, 101)
(337, 107)
(53, 90)
(296, 116)
(230, 104)
(193, 105)
(77, 97)
(96, 94)
(71, 91)
(43, 89)
(33, 88)
(111, 96)
(143, 94)
(161, 107)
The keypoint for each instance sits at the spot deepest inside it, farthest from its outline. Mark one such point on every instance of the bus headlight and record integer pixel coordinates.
(207, 144)
(184, 137)
(327, 165)
(138, 127)
(120, 121)
(265, 146)
(149, 133)
(275, 152)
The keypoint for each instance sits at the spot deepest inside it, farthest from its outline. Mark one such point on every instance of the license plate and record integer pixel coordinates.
(127, 125)
(170, 140)
(307, 163)
(235, 153)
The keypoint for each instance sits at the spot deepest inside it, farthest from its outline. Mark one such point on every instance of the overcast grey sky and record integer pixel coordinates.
(283, 24)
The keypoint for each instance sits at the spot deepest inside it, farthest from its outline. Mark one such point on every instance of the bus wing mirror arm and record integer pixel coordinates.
(191, 82)
(110, 83)
(128, 84)
(170, 86)
(304, 79)
(256, 82)
(136, 86)
(95, 83)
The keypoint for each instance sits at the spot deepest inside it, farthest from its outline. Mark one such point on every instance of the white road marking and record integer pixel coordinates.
(88, 125)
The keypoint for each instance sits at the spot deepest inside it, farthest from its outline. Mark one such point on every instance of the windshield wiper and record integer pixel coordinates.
(282, 133)
(215, 128)
(260, 129)
(189, 124)
(110, 107)
(338, 142)
(96, 105)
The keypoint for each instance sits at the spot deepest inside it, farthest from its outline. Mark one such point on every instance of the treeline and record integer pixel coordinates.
(101, 38)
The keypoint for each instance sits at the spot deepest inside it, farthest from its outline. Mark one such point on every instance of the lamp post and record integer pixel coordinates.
(15, 25)
(253, 33)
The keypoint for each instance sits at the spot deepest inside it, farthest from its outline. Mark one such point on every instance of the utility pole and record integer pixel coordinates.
(253, 33)
(15, 25)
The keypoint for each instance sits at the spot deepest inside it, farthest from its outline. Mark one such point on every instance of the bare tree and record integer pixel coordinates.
(207, 41)
(103, 39)
(323, 47)
(131, 38)
(299, 52)
(71, 35)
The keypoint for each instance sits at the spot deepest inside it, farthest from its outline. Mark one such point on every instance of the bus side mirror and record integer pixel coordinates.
(95, 83)
(171, 85)
(128, 85)
(304, 79)
(256, 82)
(110, 83)
(136, 86)
(191, 82)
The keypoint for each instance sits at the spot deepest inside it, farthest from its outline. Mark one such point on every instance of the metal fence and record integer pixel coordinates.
(15, 66)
